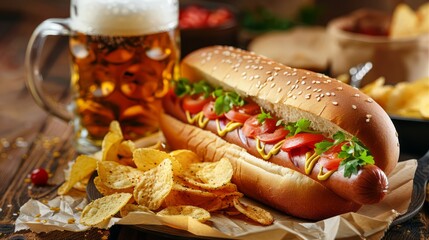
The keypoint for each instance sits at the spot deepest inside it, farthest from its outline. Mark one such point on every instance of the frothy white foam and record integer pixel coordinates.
(123, 17)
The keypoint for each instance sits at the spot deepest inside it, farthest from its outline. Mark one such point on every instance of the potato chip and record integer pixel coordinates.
(255, 213)
(117, 176)
(424, 109)
(155, 185)
(217, 173)
(111, 142)
(147, 158)
(423, 16)
(404, 22)
(105, 190)
(82, 168)
(125, 153)
(185, 157)
(197, 213)
(133, 208)
(103, 208)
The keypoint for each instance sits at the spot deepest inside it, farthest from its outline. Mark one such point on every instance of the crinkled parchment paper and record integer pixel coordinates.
(370, 222)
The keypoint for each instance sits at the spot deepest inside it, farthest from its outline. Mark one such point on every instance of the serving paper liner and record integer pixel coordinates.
(370, 222)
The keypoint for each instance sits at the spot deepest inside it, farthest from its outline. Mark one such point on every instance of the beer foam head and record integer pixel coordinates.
(123, 17)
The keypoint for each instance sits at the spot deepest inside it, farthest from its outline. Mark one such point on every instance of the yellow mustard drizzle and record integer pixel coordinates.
(230, 126)
(260, 147)
(199, 118)
(324, 176)
(310, 161)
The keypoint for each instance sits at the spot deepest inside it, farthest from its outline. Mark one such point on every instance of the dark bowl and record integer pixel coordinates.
(413, 135)
(196, 38)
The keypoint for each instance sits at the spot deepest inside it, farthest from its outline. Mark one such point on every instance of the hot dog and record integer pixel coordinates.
(334, 140)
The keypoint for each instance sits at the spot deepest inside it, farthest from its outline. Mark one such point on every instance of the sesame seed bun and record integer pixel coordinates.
(292, 93)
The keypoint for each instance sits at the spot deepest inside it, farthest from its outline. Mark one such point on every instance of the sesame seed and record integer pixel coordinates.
(354, 107)
(335, 103)
(273, 85)
(367, 120)
(227, 76)
(307, 96)
(308, 88)
(294, 74)
(318, 99)
(270, 78)
(294, 97)
(339, 88)
(300, 92)
(303, 77)
(247, 67)
(303, 82)
(277, 68)
(288, 82)
(279, 90)
(261, 67)
(369, 100)
(250, 78)
(332, 94)
(368, 116)
(356, 95)
(319, 90)
(243, 74)
(275, 74)
(268, 72)
(285, 73)
(328, 94)
(257, 76)
(322, 95)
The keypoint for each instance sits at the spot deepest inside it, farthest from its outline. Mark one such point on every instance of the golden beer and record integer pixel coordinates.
(123, 79)
(124, 54)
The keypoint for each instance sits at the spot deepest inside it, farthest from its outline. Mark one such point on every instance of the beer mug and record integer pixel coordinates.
(123, 56)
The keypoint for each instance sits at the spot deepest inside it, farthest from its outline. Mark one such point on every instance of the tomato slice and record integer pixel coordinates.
(241, 114)
(302, 140)
(330, 161)
(209, 112)
(194, 104)
(278, 135)
(253, 128)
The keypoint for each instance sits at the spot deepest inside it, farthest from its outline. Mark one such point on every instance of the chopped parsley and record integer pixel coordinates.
(225, 100)
(353, 153)
(263, 116)
(183, 87)
(302, 125)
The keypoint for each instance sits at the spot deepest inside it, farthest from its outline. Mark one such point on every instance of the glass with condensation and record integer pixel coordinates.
(124, 54)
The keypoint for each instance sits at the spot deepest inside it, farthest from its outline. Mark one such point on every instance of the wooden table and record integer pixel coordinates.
(30, 138)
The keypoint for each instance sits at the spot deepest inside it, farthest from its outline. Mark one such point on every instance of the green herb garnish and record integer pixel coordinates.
(225, 101)
(353, 153)
(302, 125)
(263, 116)
(183, 87)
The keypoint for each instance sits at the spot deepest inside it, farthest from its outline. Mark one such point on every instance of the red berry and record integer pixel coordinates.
(39, 176)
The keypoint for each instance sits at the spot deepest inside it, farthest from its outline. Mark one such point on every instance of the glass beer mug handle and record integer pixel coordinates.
(34, 80)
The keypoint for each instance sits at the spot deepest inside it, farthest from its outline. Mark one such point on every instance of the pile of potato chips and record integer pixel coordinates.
(406, 99)
(407, 23)
(153, 181)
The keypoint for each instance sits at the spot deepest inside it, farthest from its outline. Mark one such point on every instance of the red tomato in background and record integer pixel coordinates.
(278, 135)
(252, 128)
(241, 114)
(194, 16)
(302, 140)
(209, 112)
(195, 104)
(219, 17)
